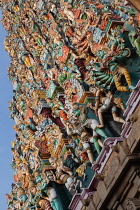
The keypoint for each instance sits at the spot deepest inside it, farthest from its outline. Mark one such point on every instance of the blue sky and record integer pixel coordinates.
(6, 131)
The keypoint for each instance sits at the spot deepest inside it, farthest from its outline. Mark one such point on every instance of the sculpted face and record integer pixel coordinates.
(42, 204)
(89, 34)
(23, 198)
(93, 90)
(21, 126)
(54, 164)
(74, 121)
(38, 179)
(106, 8)
(33, 190)
(85, 136)
(73, 144)
(101, 54)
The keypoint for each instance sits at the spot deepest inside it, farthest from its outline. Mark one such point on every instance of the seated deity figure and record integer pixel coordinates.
(63, 174)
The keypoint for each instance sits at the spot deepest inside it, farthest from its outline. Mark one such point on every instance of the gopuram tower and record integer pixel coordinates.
(75, 69)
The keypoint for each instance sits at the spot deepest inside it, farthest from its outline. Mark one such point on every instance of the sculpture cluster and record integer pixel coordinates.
(69, 69)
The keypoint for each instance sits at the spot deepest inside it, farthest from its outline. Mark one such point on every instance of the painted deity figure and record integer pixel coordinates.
(59, 109)
(97, 131)
(85, 139)
(46, 112)
(69, 14)
(74, 126)
(49, 191)
(111, 62)
(34, 198)
(63, 174)
(135, 40)
(22, 196)
(105, 101)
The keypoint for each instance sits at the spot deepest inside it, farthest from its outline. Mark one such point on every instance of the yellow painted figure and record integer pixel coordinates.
(27, 60)
(118, 72)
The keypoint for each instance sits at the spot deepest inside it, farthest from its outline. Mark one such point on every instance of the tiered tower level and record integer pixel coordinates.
(73, 67)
